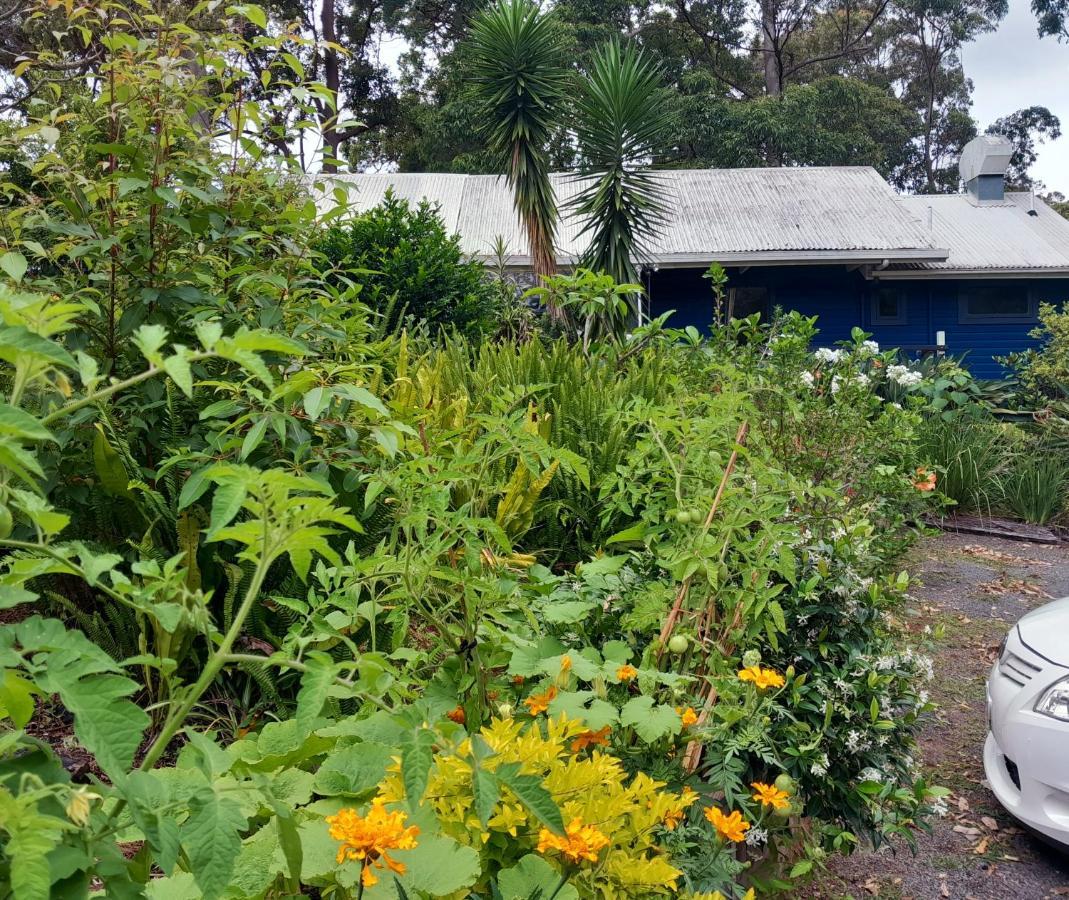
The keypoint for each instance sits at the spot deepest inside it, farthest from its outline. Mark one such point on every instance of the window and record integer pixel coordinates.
(996, 303)
(745, 301)
(888, 305)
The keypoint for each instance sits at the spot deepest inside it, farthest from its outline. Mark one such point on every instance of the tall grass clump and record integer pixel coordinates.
(1034, 485)
(971, 454)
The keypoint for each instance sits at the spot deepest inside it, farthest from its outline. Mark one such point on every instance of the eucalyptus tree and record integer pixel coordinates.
(521, 82)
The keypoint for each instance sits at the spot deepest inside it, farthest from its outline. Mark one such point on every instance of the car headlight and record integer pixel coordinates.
(1054, 701)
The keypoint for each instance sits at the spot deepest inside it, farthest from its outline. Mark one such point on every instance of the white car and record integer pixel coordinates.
(1026, 756)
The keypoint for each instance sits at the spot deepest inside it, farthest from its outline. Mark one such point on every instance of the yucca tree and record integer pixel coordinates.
(622, 123)
(521, 80)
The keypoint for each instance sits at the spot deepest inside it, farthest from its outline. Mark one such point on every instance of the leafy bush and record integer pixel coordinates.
(1045, 372)
(305, 585)
(408, 264)
(1034, 484)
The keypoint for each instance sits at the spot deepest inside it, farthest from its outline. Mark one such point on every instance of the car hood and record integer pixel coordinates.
(1046, 630)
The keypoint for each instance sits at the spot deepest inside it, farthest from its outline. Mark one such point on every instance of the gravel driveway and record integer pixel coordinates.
(969, 590)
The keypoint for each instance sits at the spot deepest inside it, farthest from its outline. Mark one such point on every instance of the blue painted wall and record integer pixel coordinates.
(843, 299)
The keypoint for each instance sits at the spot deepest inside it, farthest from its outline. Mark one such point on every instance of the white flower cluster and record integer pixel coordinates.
(827, 355)
(820, 767)
(870, 774)
(904, 376)
(870, 346)
(807, 379)
(755, 837)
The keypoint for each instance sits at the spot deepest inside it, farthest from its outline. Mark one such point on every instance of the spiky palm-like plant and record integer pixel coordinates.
(622, 123)
(521, 80)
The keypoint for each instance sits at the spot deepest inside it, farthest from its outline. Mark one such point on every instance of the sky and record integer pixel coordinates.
(1013, 68)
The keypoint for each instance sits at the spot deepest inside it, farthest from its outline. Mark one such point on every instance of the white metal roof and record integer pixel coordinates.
(990, 238)
(733, 216)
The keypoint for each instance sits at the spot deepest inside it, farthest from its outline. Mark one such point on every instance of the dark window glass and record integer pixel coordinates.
(745, 301)
(997, 301)
(888, 303)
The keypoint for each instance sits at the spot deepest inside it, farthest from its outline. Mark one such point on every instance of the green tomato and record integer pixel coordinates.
(786, 784)
(696, 517)
(682, 516)
(678, 643)
(5, 522)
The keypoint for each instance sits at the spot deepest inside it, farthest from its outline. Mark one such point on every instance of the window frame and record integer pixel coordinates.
(902, 316)
(967, 318)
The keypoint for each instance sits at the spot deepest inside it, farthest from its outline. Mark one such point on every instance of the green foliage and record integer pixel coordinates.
(623, 122)
(1045, 372)
(408, 265)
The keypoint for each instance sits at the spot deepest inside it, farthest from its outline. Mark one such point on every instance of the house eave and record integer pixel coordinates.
(770, 258)
(930, 274)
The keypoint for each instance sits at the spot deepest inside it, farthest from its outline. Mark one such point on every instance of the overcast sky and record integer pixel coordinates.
(1013, 68)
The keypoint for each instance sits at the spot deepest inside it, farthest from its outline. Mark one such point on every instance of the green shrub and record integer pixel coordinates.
(1034, 484)
(970, 456)
(1045, 372)
(409, 265)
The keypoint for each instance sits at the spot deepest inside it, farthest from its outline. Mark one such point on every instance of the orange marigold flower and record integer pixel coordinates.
(626, 672)
(456, 715)
(731, 828)
(761, 677)
(688, 715)
(597, 738)
(517, 679)
(925, 480)
(368, 838)
(770, 795)
(539, 703)
(578, 843)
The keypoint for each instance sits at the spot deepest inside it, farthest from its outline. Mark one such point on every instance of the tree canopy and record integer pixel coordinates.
(770, 83)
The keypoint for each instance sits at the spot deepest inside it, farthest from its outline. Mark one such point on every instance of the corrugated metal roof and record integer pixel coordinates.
(990, 237)
(734, 216)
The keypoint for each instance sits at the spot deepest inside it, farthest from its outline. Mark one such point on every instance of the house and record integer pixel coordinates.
(835, 242)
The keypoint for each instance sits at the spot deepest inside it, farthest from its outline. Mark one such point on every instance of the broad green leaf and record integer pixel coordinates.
(20, 424)
(177, 367)
(16, 342)
(438, 866)
(530, 875)
(362, 396)
(315, 686)
(226, 503)
(354, 771)
(12, 595)
(315, 401)
(416, 758)
(108, 465)
(108, 725)
(651, 722)
(16, 697)
(211, 838)
(486, 791)
(532, 793)
(14, 264)
(254, 436)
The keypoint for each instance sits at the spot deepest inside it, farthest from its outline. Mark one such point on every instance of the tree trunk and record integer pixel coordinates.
(328, 120)
(769, 51)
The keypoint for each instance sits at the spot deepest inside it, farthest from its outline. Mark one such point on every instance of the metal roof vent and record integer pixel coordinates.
(983, 165)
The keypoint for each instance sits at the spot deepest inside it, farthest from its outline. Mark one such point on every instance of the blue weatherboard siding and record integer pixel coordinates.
(843, 299)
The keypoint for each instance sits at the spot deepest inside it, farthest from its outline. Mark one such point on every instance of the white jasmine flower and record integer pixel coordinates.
(820, 767)
(807, 379)
(755, 837)
(939, 806)
(870, 774)
(871, 346)
(827, 355)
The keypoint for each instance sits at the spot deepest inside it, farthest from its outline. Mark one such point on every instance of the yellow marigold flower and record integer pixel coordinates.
(770, 795)
(368, 838)
(539, 703)
(761, 677)
(597, 738)
(732, 827)
(688, 715)
(578, 843)
(626, 673)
